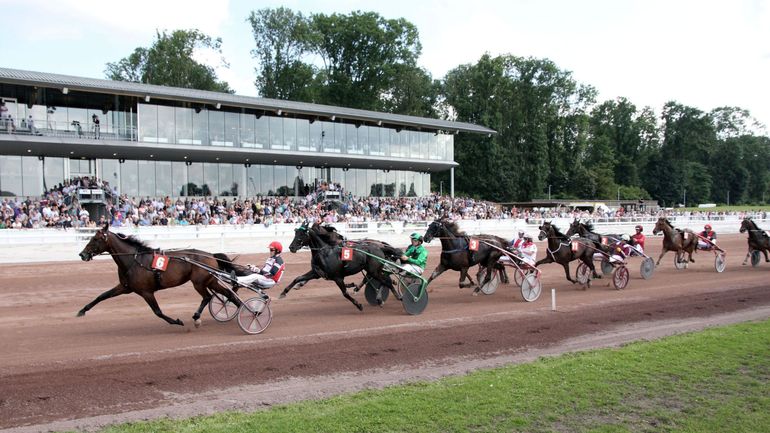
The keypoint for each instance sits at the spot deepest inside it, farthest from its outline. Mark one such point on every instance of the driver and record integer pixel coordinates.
(639, 239)
(709, 234)
(270, 273)
(518, 242)
(621, 249)
(416, 256)
(528, 250)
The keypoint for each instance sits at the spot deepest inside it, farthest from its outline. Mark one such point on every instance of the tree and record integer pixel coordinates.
(169, 62)
(282, 39)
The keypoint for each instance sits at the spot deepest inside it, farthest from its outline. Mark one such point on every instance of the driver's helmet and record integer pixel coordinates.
(639, 228)
(416, 236)
(521, 232)
(276, 246)
(707, 227)
(625, 238)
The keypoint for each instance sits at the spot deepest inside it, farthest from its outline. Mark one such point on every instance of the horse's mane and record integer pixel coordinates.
(135, 242)
(453, 228)
(556, 231)
(668, 223)
(589, 226)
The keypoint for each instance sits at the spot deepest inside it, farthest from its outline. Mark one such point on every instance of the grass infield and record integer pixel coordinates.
(711, 381)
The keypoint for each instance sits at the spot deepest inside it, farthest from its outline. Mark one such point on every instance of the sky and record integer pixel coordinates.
(701, 53)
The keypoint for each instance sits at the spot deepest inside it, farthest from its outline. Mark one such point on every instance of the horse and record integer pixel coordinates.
(326, 262)
(562, 251)
(134, 259)
(457, 256)
(585, 229)
(681, 241)
(758, 239)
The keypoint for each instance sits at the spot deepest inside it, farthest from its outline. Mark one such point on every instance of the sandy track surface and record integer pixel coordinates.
(121, 363)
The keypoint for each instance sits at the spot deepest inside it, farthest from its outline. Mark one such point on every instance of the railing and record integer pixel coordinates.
(70, 130)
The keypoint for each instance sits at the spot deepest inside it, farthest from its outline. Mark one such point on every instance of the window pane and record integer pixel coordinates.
(10, 175)
(266, 184)
(281, 186)
(303, 134)
(32, 176)
(226, 180)
(200, 128)
(252, 181)
(148, 122)
(263, 132)
(109, 170)
(231, 129)
(184, 125)
(351, 140)
(237, 188)
(146, 178)
(179, 178)
(339, 137)
(163, 185)
(316, 134)
(210, 178)
(327, 137)
(54, 172)
(290, 134)
(129, 178)
(195, 179)
(248, 139)
(166, 125)
(276, 133)
(217, 128)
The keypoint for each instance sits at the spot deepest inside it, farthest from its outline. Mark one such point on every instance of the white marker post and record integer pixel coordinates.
(553, 299)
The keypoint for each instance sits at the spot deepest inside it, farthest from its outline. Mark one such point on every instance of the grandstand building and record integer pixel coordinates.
(163, 141)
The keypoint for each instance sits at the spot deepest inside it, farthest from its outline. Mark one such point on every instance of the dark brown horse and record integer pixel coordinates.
(680, 241)
(563, 250)
(758, 239)
(134, 259)
(457, 256)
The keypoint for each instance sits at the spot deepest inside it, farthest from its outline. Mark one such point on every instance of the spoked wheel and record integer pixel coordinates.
(607, 267)
(583, 273)
(518, 277)
(531, 288)
(680, 261)
(620, 277)
(414, 299)
(491, 286)
(647, 268)
(720, 262)
(255, 315)
(755, 257)
(370, 292)
(221, 309)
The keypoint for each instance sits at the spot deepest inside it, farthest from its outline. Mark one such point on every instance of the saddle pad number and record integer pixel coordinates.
(159, 262)
(685, 235)
(473, 245)
(346, 254)
(575, 246)
(604, 240)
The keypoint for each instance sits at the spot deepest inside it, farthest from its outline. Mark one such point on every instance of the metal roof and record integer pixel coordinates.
(95, 85)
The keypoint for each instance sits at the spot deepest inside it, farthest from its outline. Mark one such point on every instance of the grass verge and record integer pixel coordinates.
(715, 380)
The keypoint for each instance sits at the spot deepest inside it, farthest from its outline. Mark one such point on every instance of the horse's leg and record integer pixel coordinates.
(663, 253)
(565, 265)
(115, 291)
(438, 271)
(341, 284)
(766, 258)
(301, 280)
(748, 254)
(149, 297)
(545, 260)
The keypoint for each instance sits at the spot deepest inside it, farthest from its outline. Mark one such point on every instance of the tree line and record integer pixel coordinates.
(553, 135)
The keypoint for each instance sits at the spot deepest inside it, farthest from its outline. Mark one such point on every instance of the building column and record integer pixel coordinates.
(452, 182)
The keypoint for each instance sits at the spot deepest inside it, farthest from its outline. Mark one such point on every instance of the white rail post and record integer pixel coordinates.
(553, 299)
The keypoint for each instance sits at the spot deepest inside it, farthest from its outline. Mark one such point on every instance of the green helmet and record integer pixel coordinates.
(416, 236)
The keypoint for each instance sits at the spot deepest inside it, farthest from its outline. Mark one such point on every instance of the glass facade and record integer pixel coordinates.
(168, 123)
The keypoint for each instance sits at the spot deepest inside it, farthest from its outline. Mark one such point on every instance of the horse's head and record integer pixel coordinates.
(434, 231)
(574, 228)
(98, 244)
(660, 225)
(301, 238)
(546, 230)
(746, 224)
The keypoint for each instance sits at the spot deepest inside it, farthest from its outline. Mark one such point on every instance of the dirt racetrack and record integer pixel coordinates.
(121, 363)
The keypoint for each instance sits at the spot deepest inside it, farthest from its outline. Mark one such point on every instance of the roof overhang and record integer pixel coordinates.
(114, 149)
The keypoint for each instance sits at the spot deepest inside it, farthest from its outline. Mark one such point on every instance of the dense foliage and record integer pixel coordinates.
(553, 136)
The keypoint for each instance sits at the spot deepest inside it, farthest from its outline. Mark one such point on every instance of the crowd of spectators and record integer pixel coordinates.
(59, 208)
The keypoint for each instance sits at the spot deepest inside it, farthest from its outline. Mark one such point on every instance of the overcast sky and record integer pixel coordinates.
(705, 54)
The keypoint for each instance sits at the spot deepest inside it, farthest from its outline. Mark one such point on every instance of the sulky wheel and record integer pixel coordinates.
(255, 315)
(720, 262)
(518, 276)
(679, 261)
(607, 267)
(414, 298)
(583, 273)
(370, 292)
(620, 277)
(647, 268)
(221, 309)
(531, 288)
(491, 286)
(755, 257)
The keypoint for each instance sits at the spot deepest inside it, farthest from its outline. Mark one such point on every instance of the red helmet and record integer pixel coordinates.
(707, 227)
(639, 228)
(276, 246)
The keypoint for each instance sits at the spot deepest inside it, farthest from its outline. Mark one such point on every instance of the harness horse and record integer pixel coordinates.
(602, 241)
(562, 250)
(759, 241)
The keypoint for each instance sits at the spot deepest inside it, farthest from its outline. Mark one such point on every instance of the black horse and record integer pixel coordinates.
(562, 249)
(134, 259)
(457, 256)
(326, 262)
(585, 229)
(758, 239)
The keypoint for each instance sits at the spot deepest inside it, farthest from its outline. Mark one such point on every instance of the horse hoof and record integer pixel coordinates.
(360, 307)
(282, 295)
(179, 322)
(475, 293)
(81, 313)
(197, 323)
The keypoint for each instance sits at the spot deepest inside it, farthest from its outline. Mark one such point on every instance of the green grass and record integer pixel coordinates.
(711, 381)
(723, 208)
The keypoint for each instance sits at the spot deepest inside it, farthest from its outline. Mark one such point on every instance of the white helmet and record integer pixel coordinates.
(625, 238)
